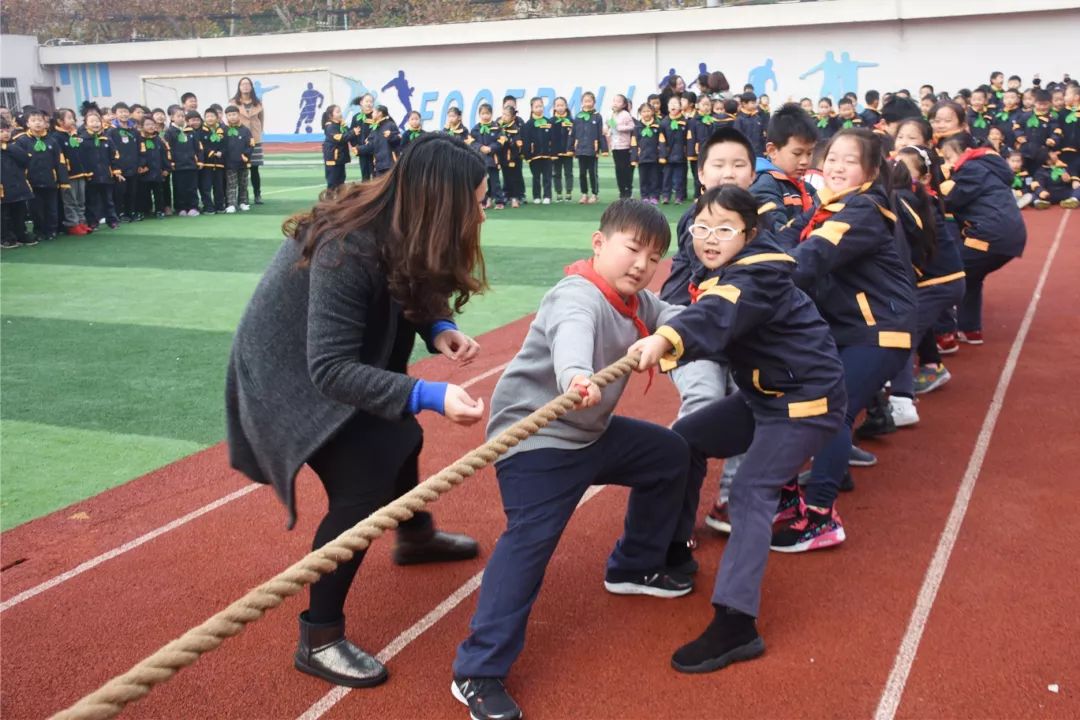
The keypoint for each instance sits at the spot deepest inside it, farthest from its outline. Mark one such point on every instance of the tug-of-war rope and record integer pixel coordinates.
(111, 698)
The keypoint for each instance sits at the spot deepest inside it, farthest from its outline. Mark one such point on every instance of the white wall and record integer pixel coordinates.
(19, 60)
(950, 44)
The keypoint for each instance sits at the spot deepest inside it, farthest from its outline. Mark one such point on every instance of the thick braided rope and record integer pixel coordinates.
(111, 698)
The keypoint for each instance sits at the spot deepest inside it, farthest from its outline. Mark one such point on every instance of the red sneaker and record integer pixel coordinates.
(76, 230)
(972, 337)
(947, 343)
(718, 518)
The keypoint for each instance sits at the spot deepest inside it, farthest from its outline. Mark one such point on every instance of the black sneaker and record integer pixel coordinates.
(879, 419)
(730, 637)
(861, 458)
(258, 200)
(680, 559)
(486, 697)
(664, 584)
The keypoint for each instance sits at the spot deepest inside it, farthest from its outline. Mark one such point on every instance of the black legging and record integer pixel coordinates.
(368, 463)
(587, 171)
(256, 181)
(624, 173)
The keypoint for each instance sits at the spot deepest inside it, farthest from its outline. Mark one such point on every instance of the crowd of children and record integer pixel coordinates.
(73, 173)
(828, 262)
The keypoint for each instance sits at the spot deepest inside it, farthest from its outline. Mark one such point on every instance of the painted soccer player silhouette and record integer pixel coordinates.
(404, 93)
(667, 78)
(761, 75)
(310, 101)
(259, 89)
(838, 77)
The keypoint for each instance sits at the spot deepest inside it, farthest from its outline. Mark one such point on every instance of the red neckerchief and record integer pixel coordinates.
(626, 308)
(820, 216)
(695, 293)
(969, 154)
(807, 202)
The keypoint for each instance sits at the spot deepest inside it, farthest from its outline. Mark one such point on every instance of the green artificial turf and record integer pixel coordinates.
(113, 346)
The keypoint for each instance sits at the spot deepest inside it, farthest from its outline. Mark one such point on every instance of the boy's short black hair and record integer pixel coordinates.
(731, 106)
(185, 96)
(34, 112)
(996, 73)
(232, 108)
(899, 108)
(120, 106)
(215, 107)
(826, 100)
(1017, 78)
(192, 114)
(483, 107)
(964, 93)
(155, 111)
(137, 106)
(872, 96)
(748, 97)
(652, 97)
(173, 109)
(981, 89)
(726, 134)
(453, 111)
(691, 96)
(211, 111)
(845, 101)
(1041, 95)
(640, 219)
(509, 98)
(790, 121)
(735, 199)
(5, 124)
(148, 118)
(851, 96)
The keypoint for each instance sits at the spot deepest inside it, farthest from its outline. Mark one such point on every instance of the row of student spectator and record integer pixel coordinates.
(120, 165)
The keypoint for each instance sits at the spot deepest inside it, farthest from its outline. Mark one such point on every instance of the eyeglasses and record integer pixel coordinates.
(723, 233)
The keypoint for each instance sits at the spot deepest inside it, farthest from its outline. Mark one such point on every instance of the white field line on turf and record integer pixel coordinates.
(142, 539)
(935, 573)
(421, 626)
(293, 189)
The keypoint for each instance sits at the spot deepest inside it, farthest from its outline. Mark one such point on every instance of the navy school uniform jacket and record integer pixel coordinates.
(1034, 131)
(827, 125)
(645, 143)
(978, 193)
(1053, 177)
(562, 135)
(335, 147)
(753, 127)
(685, 265)
(14, 160)
(382, 144)
(491, 136)
(514, 147)
(460, 132)
(1004, 120)
(98, 157)
(408, 135)
(701, 129)
(126, 143)
(944, 264)
(780, 198)
(849, 123)
(185, 146)
(1069, 121)
(780, 350)
(213, 142)
(359, 129)
(870, 117)
(674, 140)
(979, 124)
(154, 158)
(238, 145)
(851, 264)
(70, 143)
(537, 137)
(589, 139)
(47, 167)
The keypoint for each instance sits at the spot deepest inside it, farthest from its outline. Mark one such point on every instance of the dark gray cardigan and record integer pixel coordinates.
(310, 351)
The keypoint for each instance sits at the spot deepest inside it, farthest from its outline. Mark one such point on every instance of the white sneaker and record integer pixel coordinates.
(1024, 200)
(903, 411)
(182, 213)
(193, 213)
(230, 210)
(547, 201)
(536, 201)
(244, 207)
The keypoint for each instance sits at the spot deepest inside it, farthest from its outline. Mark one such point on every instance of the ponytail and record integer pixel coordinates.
(924, 241)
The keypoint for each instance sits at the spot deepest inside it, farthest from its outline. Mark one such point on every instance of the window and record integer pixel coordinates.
(9, 93)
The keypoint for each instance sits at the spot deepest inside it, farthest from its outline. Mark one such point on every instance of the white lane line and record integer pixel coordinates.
(168, 527)
(294, 189)
(130, 545)
(935, 573)
(402, 641)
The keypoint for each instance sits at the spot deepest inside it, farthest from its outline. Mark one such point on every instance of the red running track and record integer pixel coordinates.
(1001, 629)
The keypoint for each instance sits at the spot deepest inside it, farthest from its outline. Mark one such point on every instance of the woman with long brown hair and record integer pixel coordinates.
(252, 117)
(317, 373)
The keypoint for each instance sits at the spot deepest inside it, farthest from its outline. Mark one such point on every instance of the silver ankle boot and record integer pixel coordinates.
(324, 652)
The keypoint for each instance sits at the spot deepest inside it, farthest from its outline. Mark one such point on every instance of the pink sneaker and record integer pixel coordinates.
(790, 505)
(816, 529)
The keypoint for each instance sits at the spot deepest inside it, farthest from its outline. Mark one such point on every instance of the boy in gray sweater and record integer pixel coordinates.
(585, 323)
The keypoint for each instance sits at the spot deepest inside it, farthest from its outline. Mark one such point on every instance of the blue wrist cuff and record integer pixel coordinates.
(428, 396)
(441, 326)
